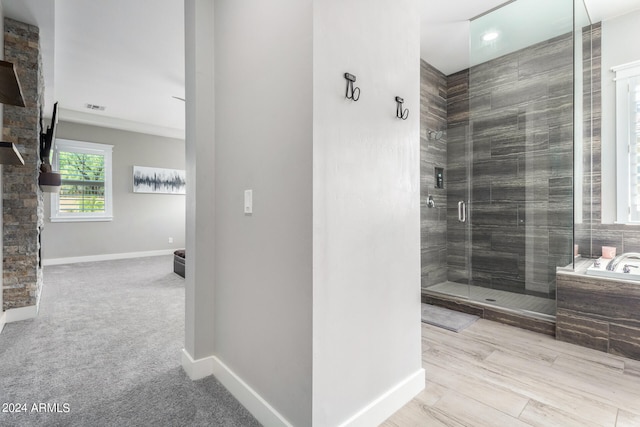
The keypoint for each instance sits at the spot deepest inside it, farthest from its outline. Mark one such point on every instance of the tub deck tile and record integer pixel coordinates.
(616, 301)
(624, 341)
(576, 329)
(599, 313)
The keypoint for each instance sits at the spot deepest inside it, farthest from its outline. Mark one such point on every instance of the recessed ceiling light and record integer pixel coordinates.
(490, 36)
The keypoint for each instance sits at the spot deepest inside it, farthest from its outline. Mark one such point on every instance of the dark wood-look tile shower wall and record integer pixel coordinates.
(433, 154)
(521, 139)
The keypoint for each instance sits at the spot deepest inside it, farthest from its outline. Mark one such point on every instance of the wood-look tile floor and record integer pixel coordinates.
(493, 375)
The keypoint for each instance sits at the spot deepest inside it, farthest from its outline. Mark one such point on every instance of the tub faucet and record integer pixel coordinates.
(613, 264)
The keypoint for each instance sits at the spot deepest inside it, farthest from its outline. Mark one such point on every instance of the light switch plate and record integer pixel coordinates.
(248, 201)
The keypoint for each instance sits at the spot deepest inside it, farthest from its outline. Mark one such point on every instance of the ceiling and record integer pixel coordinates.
(446, 26)
(128, 56)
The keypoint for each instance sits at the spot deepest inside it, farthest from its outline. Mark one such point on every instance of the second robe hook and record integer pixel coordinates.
(400, 113)
(352, 92)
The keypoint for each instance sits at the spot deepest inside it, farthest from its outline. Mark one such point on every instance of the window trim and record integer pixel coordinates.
(624, 73)
(84, 148)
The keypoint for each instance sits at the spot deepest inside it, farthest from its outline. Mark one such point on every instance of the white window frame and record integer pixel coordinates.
(624, 133)
(83, 147)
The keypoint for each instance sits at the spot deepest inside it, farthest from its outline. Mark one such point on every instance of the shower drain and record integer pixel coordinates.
(490, 299)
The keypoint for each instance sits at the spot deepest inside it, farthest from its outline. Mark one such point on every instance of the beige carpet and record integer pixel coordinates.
(105, 351)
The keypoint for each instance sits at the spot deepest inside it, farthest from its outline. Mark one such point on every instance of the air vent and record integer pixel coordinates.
(95, 107)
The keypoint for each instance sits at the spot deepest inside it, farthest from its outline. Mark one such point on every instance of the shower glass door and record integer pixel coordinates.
(510, 216)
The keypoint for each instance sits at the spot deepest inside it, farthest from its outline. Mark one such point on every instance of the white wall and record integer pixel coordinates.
(619, 46)
(366, 299)
(263, 140)
(200, 199)
(1, 172)
(141, 222)
(310, 307)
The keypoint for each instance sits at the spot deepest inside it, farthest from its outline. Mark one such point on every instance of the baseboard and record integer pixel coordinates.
(386, 405)
(197, 369)
(3, 321)
(374, 413)
(249, 398)
(22, 313)
(256, 405)
(105, 257)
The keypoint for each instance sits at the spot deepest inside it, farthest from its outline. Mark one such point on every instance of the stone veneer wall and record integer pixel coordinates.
(22, 199)
(433, 153)
(514, 115)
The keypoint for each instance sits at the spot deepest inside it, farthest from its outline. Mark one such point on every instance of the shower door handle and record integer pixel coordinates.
(462, 211)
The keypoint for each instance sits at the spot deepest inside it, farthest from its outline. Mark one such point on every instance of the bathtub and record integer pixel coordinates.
(625, 266)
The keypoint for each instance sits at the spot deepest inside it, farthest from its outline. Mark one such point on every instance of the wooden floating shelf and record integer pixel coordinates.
(10, 90)
(9, 154)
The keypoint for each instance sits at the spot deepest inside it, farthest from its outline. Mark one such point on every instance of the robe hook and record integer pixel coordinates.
(352, 92)
(400, 113)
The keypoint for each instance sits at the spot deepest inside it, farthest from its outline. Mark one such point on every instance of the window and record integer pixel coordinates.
(628, 142)
(85, 194)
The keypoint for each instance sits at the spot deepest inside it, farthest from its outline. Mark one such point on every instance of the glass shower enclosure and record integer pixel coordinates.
(510, 158)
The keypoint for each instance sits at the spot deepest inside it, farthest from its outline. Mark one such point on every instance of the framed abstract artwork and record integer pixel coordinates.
(158, 180)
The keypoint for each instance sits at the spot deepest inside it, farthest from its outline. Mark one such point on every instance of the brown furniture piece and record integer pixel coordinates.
(178, 262)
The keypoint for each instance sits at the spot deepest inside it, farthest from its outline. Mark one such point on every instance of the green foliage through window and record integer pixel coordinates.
(83, 182)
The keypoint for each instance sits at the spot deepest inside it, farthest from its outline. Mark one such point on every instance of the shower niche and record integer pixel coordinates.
(439, 177)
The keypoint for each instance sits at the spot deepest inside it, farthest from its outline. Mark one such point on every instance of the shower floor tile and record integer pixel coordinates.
(495, 297)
